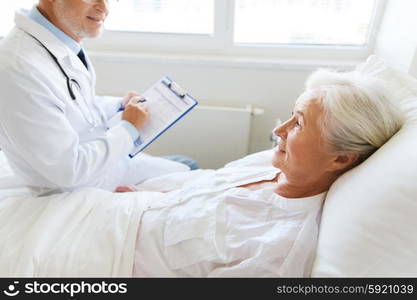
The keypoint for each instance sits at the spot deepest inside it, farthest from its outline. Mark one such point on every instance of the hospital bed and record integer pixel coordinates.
(368, 225)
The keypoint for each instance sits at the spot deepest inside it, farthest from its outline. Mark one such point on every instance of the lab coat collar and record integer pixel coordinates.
(50, 41)
(35, 15)
(47, 38)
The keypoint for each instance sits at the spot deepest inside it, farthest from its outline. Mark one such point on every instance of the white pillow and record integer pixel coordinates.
(369, 221)
(403, 85)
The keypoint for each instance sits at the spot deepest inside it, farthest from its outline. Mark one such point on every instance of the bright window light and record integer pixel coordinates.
(311, 22)
(163, 16)
(265, 23)
(7, 9)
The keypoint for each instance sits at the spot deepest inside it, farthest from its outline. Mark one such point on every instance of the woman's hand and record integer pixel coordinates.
(125, 189)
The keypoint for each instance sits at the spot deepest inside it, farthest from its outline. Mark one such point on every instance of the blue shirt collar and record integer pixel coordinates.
(36, 16)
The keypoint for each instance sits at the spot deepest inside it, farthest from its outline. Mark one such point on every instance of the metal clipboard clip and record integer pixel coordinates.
(179, 91)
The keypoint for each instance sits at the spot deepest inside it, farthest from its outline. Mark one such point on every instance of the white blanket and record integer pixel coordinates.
(89, 233)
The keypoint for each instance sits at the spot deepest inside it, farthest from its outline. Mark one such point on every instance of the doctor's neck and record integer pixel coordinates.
(47, 12)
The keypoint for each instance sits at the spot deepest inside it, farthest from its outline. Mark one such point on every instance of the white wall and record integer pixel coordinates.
(397, 38)
(273, 88)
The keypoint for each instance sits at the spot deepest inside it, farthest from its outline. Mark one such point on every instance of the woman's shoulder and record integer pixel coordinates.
(258, 159)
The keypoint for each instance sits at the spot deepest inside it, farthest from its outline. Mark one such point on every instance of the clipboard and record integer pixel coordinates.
(167, 103)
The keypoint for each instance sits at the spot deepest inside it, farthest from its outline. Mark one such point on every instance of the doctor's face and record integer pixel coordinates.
(303, 153)
(80, 18)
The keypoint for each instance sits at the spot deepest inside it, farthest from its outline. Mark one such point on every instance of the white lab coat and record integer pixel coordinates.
(43, 132)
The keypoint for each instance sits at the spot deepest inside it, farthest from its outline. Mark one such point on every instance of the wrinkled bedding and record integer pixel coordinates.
(86, 233)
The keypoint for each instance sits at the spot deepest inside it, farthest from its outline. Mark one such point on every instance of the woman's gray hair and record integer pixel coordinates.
(360, 115)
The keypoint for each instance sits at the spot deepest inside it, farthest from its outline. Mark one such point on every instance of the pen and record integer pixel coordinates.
(142, 100)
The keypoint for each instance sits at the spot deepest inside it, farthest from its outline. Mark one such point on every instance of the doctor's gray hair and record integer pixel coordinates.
(360, 115)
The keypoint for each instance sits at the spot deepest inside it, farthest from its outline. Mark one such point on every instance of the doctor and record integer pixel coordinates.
(53, 128)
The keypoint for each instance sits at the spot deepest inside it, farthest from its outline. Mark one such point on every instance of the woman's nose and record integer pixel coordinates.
(281, 130)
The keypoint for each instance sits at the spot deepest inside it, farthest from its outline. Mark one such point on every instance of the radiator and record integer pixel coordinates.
(212, 135)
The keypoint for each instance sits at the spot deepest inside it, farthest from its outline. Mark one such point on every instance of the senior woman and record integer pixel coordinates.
(262, 221)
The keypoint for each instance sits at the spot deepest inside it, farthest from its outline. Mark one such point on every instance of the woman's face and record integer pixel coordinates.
(303, 153)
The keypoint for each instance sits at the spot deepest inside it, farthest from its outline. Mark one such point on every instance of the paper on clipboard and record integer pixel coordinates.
(167, 102)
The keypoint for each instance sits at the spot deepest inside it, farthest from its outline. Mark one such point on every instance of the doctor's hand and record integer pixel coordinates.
(135, 113)
(127, 98)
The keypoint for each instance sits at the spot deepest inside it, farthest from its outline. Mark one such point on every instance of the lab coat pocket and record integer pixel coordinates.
(189, 242)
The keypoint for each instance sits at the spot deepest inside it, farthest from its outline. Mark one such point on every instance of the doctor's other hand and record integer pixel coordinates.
(135, 113)
(127, 98)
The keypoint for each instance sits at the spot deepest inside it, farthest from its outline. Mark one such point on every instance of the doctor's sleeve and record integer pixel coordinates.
(109, 104)
(37, 129)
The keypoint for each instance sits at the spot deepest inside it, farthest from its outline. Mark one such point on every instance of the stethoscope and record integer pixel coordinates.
(71, 83)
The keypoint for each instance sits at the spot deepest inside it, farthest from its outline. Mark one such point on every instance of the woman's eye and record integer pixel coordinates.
(297, 123)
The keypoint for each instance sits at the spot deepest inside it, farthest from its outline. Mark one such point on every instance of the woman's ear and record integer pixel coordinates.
(344, 161)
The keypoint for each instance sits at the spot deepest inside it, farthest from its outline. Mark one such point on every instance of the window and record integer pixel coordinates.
(317, 22)
(271, 28)
(276, 28)
(167, 16)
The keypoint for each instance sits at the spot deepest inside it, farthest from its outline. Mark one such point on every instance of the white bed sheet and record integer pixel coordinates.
(86, 233)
